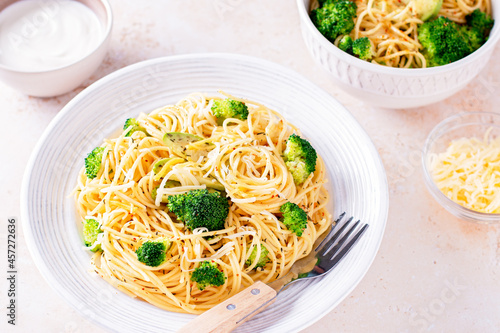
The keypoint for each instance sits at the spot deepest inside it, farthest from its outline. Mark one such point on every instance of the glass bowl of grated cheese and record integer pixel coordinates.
(461, 161)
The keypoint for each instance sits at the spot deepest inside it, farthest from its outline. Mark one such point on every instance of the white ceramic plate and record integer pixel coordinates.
(357, 182)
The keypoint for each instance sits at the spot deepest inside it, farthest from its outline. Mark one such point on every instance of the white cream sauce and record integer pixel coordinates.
(37, 35)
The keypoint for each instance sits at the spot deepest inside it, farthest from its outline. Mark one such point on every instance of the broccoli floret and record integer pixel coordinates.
(477, 30)
(132, 122)
(229, 108)
(93, 162)
(154, 252)
(334, 18)
(300, 158)
(473, 36)
(345, 44)
(208, 274)
(322, 2)
(91, 230)
(443, 41)
(480, 22)
(200, 208)
(362, 48)
(294, 217)
(263, 258)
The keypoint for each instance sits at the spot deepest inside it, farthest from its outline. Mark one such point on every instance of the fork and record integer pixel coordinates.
(326, 254)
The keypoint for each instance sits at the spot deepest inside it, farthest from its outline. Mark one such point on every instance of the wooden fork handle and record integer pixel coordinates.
(228, 315)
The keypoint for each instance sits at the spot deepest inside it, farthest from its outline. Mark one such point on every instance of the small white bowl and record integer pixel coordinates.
(395, 88)
(57, 81)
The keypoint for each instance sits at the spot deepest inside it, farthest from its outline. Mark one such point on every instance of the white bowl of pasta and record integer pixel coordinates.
(356, 184)
(392, 87)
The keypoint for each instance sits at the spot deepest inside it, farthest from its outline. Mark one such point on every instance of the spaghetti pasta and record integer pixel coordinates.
(245, 157)
(456, 10)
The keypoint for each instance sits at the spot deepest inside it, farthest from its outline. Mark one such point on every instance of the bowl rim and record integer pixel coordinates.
(450, 205)
(415, 72)
(104, 37)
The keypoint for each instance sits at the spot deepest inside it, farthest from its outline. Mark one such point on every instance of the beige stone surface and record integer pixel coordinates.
(433, 272)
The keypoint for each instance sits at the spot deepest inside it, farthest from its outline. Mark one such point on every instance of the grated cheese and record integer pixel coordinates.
(227, 248)
(200, 230)
(118, 187)
(469, 173)
(197, 249)
(241, 233)
(246, 200)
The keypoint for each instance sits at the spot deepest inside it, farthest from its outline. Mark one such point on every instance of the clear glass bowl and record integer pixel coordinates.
(473, 124)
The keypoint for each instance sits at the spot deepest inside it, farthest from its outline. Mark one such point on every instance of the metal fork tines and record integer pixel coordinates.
(334, 246)
(330, 253)
(337, 243)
